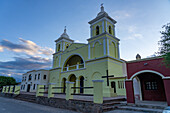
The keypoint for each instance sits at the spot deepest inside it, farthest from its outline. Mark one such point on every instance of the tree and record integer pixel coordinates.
(7, 81)
(164, 43)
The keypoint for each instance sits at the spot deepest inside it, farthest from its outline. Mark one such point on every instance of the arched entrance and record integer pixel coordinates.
(150, 87)
(73, 62)
(81, 84)
(64, 85)
(72, 78)
(28, 87)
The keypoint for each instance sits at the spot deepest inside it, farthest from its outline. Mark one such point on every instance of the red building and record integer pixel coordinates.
(148, 79)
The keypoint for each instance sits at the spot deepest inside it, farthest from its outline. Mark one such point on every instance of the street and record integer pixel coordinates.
(8, 105)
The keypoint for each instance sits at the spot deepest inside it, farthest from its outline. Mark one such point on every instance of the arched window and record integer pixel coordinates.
(38, 76)
(45, 76)
(97, 30)
(110, 29)
(58, 47)
(30, 77)
(67, 45)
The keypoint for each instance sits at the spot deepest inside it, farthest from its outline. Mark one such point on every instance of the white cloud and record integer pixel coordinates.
(26, 46)
(132, 29)
(134, 36)
(1, 48)
(120, 15)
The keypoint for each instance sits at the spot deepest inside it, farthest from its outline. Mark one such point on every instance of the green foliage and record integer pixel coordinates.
(165, 44)
(7, 81)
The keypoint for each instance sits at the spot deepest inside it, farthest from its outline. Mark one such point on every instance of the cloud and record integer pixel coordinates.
(120, 15)
(132, 29)
(26, 46)
(134, 36)
(30, 63)
(133, 33)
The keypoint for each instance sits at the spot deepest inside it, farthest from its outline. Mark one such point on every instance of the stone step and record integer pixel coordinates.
(113, 100)
(107, 109)
(147, 110)
(111, 103)
(149, 106)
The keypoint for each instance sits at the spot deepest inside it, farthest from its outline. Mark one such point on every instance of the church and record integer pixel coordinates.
(81, 63)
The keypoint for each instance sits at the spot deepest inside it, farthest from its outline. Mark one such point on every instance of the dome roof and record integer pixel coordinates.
(102, 11)
(64, 35)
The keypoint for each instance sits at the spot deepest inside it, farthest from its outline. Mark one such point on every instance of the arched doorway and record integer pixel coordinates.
(152, 87)
(81, 84)
(113, 85)
(72, 78)
(28, 87)
(64, 85)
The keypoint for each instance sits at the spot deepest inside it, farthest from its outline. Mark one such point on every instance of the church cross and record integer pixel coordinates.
(107, 76)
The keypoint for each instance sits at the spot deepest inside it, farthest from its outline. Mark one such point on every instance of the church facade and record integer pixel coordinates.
(81, 63)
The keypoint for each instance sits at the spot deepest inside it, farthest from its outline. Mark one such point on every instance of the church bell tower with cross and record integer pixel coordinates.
(103, 45)
(102, 32)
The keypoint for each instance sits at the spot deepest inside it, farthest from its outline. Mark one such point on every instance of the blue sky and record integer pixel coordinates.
(28, 28)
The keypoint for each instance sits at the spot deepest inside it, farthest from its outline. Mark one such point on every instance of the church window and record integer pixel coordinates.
(34, 87)
(97, 30)
(45, 76)
(58, 47)
(110, 29)
(35, 76)
(30, 77)
(121, 84)
(67, 45)
(151, 86)
(38, 76)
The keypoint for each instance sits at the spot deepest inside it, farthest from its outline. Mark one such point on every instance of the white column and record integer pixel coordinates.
(106, 25)
(118, 50)
(103, 26)
(59, 60)
(63, 45)
(104, 46)
(91, 31)
(89, 51)
(108, 46)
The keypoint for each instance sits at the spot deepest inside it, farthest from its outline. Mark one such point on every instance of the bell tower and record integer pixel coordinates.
(103, 23)
(63, 42)
(102, 31)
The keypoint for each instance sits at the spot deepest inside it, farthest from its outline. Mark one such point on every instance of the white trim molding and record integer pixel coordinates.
(108, 47)
(103, 26)
(89, 51)
(144, 71)
(96, 41)
(104, 46)
(106, 25)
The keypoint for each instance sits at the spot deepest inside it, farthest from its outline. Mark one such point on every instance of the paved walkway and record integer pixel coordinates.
(8, 105)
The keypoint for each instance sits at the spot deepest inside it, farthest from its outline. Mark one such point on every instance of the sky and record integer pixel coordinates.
(28, 29)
